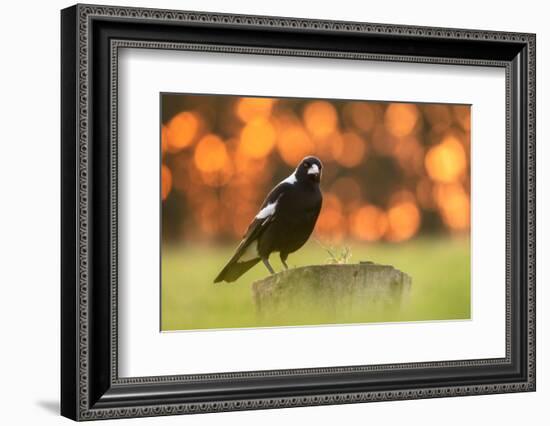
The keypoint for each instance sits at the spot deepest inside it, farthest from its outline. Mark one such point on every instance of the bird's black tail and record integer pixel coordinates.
(234, 269)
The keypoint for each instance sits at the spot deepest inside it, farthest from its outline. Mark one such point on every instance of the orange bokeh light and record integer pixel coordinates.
(462, 116)
(249, 109)
(166, 181)
(368, 223)
(439, 117)
(241, 216)
(403, 220)
(454, 204)
(446, 162)
(330, 223)
(347, 189)
(220, 177)
(210, 154)
(382, 141)
(410, 155)
(401, 119)
(402, 196)
(294, 144)
(353, 150)
(329, 147)
(363, 115)
(391, 169)
(250, 169)
(181, 130)
(207, 211)
(257, 138)
(320, 118)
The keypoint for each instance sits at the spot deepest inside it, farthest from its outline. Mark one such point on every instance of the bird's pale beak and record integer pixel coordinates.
(313, 170)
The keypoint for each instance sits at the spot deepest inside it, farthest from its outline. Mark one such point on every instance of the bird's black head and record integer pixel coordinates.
(309, 169)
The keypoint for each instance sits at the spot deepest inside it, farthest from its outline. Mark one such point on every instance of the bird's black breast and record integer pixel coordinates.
(294, 220)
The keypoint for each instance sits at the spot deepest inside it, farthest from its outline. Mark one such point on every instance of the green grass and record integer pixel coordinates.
(440, 271)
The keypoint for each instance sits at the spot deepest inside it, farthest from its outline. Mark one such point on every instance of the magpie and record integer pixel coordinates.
(284, 223)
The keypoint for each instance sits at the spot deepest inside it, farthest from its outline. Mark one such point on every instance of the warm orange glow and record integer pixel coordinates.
(181, 130)
(439, 117)
(402, 196)
(249, 109)
(363, 115)
(164, 139)
(186, 179)
(166, 180)
(353, 150)
(368, 223)
(401, 119)
(330, 147)
(320, 118)
(382, 141)
(294, 144)
(454, 204)
(347, 189)
(404, 221)
(446, 162)
(208, 213)
(210, 154)
(330, 223)
(424, 193)
(250, 169)
(391, 170)
(410, 155)
(243, 212)
(240, 203)
(257, 138)
(220, 177)
(462, 116)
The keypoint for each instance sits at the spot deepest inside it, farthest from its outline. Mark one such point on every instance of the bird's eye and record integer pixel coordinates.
(306, 165)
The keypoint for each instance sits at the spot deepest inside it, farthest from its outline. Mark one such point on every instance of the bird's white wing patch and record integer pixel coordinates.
(291, 179)
(267, 211)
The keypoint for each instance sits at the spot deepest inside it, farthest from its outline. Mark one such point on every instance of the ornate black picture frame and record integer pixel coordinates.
(91, 387)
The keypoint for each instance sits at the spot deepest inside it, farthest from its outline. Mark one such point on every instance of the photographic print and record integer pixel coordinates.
(262, 183)
(293, 211)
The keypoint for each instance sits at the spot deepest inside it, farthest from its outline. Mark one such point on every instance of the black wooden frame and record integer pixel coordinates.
(91, 37)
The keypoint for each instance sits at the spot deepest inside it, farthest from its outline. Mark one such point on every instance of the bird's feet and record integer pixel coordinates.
(268, 266)
(284, 264)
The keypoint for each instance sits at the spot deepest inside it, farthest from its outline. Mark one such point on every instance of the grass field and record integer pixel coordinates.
(440, 271)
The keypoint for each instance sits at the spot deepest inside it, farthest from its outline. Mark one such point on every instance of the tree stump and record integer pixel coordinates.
(349, 288)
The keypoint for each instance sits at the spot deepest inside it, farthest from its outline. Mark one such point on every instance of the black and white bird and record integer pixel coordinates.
(284, 223)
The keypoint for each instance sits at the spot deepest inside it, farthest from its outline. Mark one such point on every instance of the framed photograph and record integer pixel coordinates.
(263, 212)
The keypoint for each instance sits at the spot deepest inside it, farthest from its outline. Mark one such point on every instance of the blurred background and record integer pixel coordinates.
(396, 182)
(392, 170)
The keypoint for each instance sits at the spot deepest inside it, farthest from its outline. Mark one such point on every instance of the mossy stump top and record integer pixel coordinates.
(349, 287)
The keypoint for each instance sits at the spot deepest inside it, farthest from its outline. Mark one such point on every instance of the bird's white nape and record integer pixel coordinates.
(291, 179)
(267, 211)
(313, 170)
